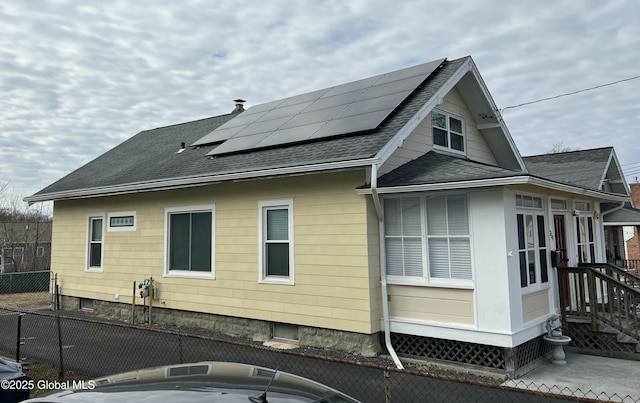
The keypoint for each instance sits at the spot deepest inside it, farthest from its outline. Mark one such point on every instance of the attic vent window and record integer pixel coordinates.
(125, 221)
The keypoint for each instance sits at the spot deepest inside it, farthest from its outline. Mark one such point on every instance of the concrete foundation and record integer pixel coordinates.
(368, 345)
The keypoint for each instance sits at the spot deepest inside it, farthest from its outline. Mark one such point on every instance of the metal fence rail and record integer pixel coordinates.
(96, 348)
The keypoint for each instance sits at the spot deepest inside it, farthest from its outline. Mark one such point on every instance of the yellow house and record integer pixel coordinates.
(394, 212)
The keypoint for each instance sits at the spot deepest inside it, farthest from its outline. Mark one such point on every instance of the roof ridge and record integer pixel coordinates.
(189, 122)
(569, 152)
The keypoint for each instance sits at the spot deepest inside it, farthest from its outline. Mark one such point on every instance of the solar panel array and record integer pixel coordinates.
(353, 107)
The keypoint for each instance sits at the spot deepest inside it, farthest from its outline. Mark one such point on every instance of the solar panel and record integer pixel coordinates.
(352, 107)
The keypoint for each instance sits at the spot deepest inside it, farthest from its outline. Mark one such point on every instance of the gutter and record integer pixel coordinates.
(193, 181)
(383, 267)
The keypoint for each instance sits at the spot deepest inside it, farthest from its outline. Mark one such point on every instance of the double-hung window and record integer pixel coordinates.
(190, 241)
(275, 227)
(532, 244)
(95, 242)
(427, 238)
(448, 131)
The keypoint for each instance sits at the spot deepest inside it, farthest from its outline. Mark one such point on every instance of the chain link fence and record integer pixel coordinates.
(97, 348)
(24, 282)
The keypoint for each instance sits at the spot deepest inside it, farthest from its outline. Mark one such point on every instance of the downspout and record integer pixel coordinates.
(383, 266)
(614, 209)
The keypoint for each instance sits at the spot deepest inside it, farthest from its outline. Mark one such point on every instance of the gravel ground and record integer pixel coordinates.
(25, 300)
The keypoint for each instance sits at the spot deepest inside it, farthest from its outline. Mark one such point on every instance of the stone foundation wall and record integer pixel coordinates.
(258, 330)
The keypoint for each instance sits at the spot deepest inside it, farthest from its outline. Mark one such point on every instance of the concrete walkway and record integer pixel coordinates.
(597, 378)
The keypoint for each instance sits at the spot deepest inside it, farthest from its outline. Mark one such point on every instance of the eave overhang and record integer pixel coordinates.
(198, 180)
(484, 183)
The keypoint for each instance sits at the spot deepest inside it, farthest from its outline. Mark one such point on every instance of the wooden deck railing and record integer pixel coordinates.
(601, 293)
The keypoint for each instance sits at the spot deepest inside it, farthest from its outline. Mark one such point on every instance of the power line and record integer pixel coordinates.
(569, 93)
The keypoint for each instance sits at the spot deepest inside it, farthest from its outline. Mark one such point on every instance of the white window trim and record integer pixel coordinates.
(121, 214)
(262, 277)
(566, 204)
(88, 268)
(532, 196)
(464, 133)
(427, 280)
(188, 273)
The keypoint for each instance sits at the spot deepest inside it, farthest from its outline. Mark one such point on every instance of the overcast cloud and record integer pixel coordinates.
(79, 77)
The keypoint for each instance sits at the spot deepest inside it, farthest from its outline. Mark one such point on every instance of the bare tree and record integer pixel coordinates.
(25, 231)
(561, 148)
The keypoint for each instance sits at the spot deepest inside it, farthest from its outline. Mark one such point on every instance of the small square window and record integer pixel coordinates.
(448, 131)
(285, 331)
(86, 304)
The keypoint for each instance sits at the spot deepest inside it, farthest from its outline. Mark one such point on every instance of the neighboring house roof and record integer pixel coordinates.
(626, 215)
(596, 169)
(150, 161)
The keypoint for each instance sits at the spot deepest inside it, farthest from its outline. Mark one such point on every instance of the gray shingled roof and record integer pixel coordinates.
(581, 168)
(434, 167)
(151, 154)
(627, 215)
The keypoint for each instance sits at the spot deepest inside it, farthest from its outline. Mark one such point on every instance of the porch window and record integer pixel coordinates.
(448, 131)
(403, 237)
(190, 241)
(532, 249)
(586, 241)
(431, 229)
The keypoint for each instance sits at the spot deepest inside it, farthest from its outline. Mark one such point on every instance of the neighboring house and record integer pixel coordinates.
(596, 169)
(25, 246)
(633, 244)
(396, 205)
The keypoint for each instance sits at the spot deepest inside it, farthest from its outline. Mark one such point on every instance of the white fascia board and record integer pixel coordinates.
(480, 183)
(396, 141)
(620, 224)
(192, 181)
(623, 180)
(605, 171)
(494, 107)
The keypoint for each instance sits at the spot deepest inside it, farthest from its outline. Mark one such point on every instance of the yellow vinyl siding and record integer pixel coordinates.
(448, 305)
(332, 255)
(535, 305)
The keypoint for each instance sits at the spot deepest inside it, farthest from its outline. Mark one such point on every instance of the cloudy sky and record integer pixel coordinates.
(79, 77)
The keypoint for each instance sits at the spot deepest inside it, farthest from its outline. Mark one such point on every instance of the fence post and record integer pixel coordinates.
(19, 337)
(61, 369)
(180, 355)
(387, 388)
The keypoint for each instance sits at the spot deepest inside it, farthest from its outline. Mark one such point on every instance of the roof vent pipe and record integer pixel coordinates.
(239, 105)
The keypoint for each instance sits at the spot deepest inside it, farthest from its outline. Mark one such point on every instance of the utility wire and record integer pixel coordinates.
(569, 93)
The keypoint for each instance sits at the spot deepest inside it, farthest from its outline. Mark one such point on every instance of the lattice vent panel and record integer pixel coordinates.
(530, 351)
(583, 337)
(449, 350)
